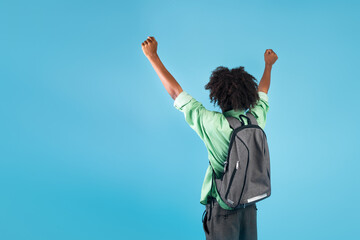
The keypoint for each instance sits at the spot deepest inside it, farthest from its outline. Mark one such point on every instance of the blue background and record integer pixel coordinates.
(92, 147)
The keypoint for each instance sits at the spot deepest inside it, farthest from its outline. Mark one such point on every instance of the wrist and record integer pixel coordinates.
(152, 56)
(268, 66)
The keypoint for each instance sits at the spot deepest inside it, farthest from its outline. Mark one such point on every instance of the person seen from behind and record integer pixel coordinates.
(236, 92)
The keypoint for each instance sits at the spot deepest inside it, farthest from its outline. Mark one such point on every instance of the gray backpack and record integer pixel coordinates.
(246, 175)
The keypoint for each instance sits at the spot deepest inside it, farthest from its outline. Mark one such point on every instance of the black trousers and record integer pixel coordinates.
(222, 224)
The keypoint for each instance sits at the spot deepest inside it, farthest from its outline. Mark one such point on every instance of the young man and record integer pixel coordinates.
(234, 91)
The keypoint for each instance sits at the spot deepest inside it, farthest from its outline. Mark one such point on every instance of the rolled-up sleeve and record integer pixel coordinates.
(261, 109)
(181, 100)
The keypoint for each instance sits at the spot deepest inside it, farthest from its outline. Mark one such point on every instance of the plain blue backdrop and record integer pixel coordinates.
(92, 147)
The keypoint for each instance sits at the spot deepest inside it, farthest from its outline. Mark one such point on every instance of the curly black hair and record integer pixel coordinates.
(232, 89)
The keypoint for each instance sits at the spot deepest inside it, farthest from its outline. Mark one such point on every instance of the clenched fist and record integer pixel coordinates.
(270, 57)
(149, 47)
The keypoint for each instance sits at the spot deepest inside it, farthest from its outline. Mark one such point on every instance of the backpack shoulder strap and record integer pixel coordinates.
(234, 122)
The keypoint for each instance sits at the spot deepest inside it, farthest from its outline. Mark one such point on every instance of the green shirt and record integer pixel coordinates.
(215, 131)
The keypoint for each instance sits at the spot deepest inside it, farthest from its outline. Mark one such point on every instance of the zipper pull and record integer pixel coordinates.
(237, 164)
(225, 164)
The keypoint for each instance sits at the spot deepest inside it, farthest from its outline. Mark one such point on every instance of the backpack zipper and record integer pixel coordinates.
(233, 175)
(242, 190)
(231, 179)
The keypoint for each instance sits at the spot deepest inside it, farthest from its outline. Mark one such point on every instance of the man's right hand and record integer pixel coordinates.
(270, 57)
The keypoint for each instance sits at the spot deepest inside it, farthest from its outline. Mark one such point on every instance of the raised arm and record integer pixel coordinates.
(270, 58)
(149, 47)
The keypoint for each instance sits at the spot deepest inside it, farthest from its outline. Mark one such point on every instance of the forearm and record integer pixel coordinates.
(169, 82)
(264, 84)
